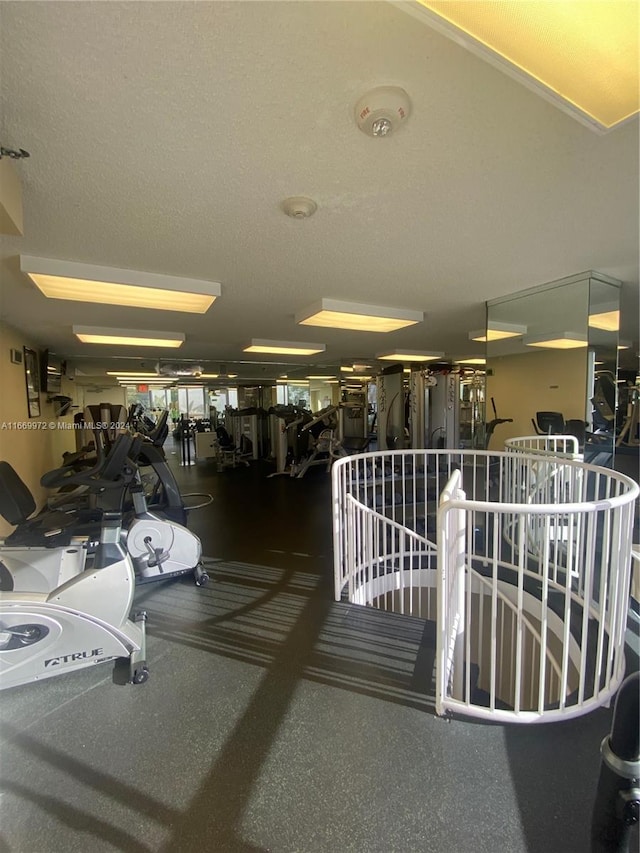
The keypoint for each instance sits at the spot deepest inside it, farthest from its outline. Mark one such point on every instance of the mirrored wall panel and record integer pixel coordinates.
(552, 361)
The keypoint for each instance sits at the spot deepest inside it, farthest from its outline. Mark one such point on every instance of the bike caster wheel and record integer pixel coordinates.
(140, 675)
(201, 577)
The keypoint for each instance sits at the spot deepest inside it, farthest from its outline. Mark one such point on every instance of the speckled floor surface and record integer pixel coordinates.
(276, 719)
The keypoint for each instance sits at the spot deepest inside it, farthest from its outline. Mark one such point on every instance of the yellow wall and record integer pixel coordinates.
(526, 383)
(31, 445)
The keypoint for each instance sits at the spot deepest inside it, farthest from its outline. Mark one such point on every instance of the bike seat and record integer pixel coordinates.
(16, 501)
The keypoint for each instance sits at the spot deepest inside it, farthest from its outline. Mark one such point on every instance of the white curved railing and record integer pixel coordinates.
(523, 562)
(565, 446)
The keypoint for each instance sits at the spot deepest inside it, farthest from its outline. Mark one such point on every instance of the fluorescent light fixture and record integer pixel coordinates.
(284, 347)
(497, 332)
(471, 361)
(164, 383)
(557, 340)
(110, 286)
(346, 369)
(143, 379)
(334, 314)
(607, 321)
(321, 377)
(128, 337)
(209, 376)
(359, 378)
(124, 373)
(624, 344)
(408, 355)
(582, 57)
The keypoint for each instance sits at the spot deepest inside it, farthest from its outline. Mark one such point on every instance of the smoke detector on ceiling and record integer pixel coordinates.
(299, 207)
(383, 110)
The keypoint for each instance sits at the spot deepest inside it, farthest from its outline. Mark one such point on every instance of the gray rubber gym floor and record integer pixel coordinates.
(277, 720)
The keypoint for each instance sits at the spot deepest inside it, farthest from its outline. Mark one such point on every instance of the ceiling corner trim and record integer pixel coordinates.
(467, 40)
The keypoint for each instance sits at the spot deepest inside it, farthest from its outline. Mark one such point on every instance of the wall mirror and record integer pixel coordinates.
(32, 378)
(552, 360)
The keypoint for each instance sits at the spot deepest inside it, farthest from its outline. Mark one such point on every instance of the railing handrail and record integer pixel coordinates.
(510, 604)
(517, 443)
(453, 485)
(383, 518)
(536, 509)
(411, 504)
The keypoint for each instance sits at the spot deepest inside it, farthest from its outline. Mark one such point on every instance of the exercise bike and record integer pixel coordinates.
(159, 548)
(81, 622)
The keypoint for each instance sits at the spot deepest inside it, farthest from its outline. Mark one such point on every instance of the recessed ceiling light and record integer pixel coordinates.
(557, 340)
(321, 377)
(283, 347)
(335, 314)
(131, 373)
(408, 355)
(607, 321)
(109, 286)
(128, 337)
(155, 383)
(497, 332)
(142, 378)
(471, 361)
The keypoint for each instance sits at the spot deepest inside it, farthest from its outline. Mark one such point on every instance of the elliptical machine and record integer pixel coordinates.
(324, 445)
(492, 424)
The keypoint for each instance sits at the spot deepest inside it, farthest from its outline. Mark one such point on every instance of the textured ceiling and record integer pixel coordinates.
(164, 136)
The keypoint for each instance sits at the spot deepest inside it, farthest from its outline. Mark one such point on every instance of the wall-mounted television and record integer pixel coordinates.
(51, 372)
